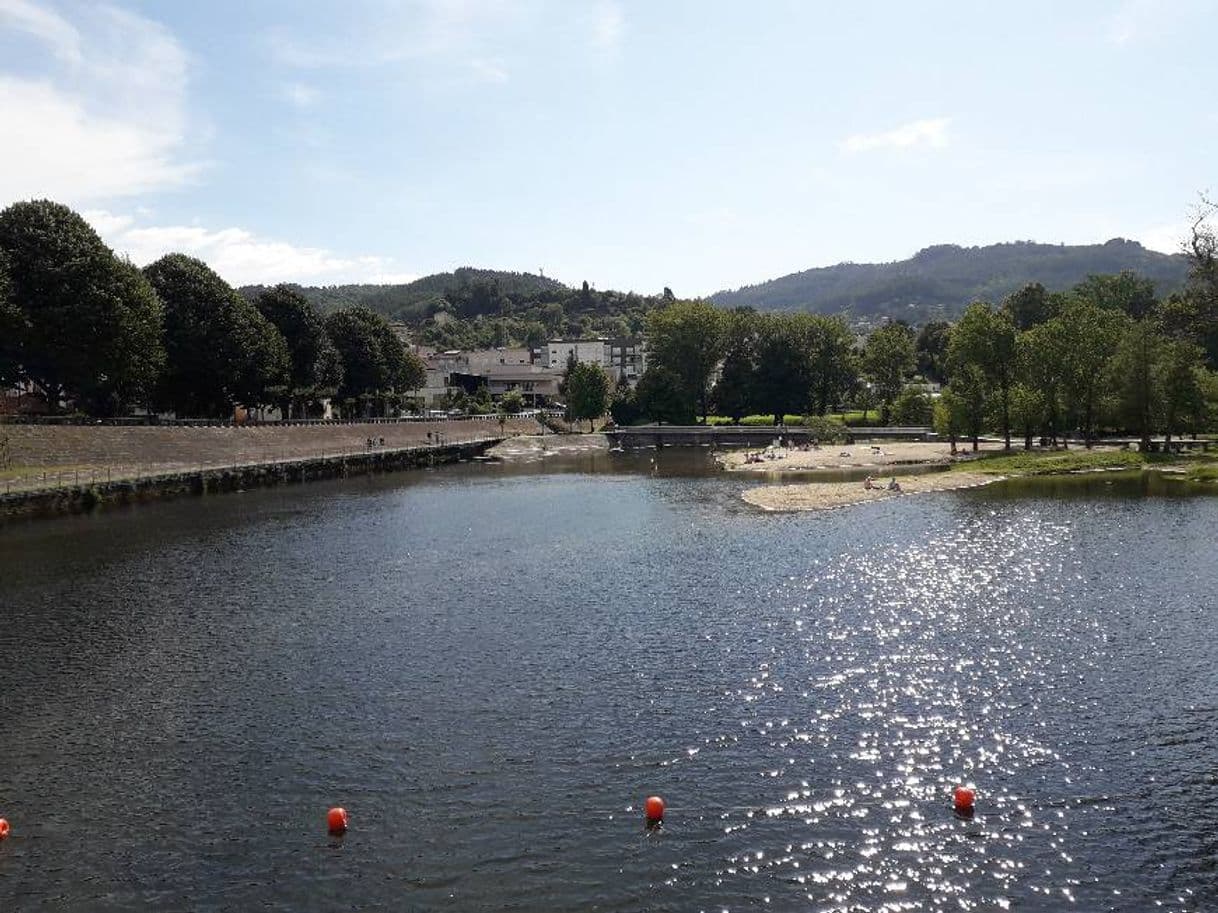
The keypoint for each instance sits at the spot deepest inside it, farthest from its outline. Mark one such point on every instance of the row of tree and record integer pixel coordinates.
(1106, 354)
(91, 330)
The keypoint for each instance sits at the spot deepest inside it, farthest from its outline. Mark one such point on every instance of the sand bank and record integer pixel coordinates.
(846, 456)
(828, 495)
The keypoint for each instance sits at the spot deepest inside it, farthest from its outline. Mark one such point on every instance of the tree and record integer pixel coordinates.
(1134, 370)
(12, 324)
(375, 362)
(587, 393)
(888, 360)
(985, 338)
(831, 361)
(316, 370)
(1201, 290)
(1090, 334)
(949, 417)
(1181, 381)
(687, 339)
(511, 402)
(1027, 411)
(1041, 355)
(969, 389)
(660, 398)
(221, 351)
(1029, 307)
(79, 323)
(782, 381)
(912, 408)
(733, 393)
(930, 350)
(1126, 292)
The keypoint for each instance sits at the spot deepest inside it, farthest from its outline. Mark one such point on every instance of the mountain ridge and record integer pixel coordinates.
(939, 281)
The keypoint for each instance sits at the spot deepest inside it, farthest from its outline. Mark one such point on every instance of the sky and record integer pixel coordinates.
(693, 144)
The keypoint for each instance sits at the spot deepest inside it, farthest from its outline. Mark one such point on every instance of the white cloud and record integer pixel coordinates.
(53, 29)
(1167, 238)
(239, 256)
(106, 119)
(490, 70)
(608, 25)
(1129, 20)
(931, 132)
(300, 95)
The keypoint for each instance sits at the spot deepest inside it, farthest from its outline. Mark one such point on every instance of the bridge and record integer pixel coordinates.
(749, 435)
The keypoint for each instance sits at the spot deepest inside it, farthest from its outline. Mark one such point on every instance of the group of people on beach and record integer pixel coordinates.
(373, 443)
(870, 484)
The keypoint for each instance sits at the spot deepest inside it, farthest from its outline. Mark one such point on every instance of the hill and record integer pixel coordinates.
(479, 308)
(940, 281)
(461, 290)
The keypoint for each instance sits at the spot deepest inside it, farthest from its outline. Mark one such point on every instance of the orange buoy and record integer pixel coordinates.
(964, 798)
(654, 809)
(337, 820)
(4, 828)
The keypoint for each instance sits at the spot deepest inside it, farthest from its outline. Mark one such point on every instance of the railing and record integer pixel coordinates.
(154, 421)
(50, 478)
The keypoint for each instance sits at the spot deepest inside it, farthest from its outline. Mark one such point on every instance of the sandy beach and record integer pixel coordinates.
(846, 456)
(828, 495)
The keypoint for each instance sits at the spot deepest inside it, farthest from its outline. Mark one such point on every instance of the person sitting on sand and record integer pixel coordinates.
(893, 485)
(869, 483)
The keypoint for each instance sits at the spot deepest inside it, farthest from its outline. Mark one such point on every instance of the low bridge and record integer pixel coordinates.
(749, 435)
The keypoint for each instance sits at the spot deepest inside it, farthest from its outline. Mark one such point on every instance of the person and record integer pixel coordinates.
(868, 483)
(893, 485)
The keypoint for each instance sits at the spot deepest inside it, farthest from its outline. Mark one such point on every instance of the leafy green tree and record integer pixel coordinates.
(782, 381)
(661, 398)
(733, 393)
(888, 360)
(687, 339)
(1134, 370)
(374, 360)
(970, 392)
(624, 407)
(316, 370)
(1091, 333)
(1027, 411)
(1041, 356)
(1200, 298)
(912, 408)
(1029, 306)
(221, 351)
(12, 324)
(1126, 291)
(930, 350)
(79, 323)
(1181, 378)
(985, 338)
(949, 417)
(832, 362)
(511, 402)
(588, 389)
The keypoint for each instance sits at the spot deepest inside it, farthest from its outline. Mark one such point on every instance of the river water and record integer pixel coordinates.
(491, 666)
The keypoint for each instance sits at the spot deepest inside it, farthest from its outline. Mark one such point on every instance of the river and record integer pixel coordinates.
(491, 666)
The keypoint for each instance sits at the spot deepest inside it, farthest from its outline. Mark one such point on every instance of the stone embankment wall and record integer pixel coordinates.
(81, 498)
(149, 447)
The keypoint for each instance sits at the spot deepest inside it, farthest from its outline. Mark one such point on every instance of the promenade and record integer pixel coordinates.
(37, 457)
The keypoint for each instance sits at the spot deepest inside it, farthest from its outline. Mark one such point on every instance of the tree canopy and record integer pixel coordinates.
(315, 368)
(80, 323)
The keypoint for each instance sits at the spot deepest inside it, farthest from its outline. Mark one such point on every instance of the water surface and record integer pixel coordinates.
(491, 666)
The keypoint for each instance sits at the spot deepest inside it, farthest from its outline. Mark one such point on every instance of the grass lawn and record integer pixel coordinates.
(1048, 462)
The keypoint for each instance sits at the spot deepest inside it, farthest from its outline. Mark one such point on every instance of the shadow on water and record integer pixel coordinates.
(1120, 484)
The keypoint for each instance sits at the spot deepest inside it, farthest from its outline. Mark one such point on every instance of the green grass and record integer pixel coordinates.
(1048, 463)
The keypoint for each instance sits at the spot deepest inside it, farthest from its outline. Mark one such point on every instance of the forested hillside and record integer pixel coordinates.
(939, 282)
(477, 308)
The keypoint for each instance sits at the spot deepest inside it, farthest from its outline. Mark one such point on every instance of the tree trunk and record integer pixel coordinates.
(1027, 438)
(1006, 415)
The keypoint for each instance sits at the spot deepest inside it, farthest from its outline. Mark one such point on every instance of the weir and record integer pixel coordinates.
(749, 435)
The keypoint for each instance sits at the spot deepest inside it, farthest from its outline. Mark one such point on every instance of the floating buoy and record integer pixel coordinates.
(337, 820)
(654, 809)
(4, 828)
(964, 798)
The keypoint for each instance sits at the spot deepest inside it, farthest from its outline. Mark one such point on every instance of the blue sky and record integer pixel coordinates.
(699, 145)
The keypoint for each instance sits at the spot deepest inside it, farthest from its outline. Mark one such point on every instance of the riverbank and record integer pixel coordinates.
(830, 495)
(164, 485)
